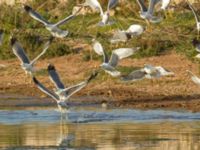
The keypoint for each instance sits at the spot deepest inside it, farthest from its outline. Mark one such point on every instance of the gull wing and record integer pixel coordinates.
(142, 5)
(164, 71)
(94, 4)
(135, 75)
(46, 46)
(68, 18)
(74, 89)
(119, 36)
(55, 77)
(19, 51)
(114, 60)
(152, 4)
(194, 78)
(45, 90)
(194, 12)
(111, 4)
(100, 51)
(125, 52)
(35, 15)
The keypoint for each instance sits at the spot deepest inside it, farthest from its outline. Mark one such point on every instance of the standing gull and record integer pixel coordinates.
(109, 65)
(123, 36)
(26, 64)
(196, 16)
(61, 93)
(53, 28)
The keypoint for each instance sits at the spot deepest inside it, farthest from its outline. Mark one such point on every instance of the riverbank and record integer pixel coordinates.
(176, 92)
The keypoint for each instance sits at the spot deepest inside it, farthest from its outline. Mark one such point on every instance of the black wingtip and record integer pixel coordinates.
(12, 41)
(51, 67)
(35, 80)
(92, 76)
(27, 8)
(195, 42)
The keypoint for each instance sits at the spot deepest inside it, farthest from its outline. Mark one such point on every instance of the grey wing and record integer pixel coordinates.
(45, 90)
(65, 20)
(119, 36)
(35, 15)
(19, 51)
(114, 60)
(152, 4)
(55, 77)
(112, 4)
(134, 76)
(1, 36)
(194, 12)
(142, 5)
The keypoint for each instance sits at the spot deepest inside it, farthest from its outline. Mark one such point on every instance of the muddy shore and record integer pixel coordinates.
(176, 92)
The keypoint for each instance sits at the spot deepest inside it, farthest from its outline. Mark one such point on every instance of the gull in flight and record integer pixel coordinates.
(61, 93)
(147, 13)
(196, 44)
(148, 72)
(1, 36)
(109, 65)
(53, 28)
(194, 78)
(196, 17)
(26, 64)
(123, 36)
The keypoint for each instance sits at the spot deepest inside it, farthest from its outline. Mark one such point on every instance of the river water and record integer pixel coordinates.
(99, 129)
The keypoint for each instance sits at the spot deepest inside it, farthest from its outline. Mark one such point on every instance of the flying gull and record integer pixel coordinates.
(53, 28)
(147, 13)
(123, 36)
(147, 72)
(26, 64)
(196, 16)
(109, 65)
(61, 93)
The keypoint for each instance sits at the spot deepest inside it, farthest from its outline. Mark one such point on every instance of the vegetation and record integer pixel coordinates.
(174, 33)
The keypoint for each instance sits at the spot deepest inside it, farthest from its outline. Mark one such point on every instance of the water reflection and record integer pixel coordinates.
(60, 134)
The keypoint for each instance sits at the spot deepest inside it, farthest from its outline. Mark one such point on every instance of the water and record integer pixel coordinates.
(97, 129)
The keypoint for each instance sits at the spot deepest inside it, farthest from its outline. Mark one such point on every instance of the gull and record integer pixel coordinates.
(157, 71)
(196, 17)
(61, 94)
(1, 36)
(147, 72)
(109, 65)
(194, 78)
(53, 28)
(106, 15)
(196, 44)
(123, 36)
(26, 64)
(147, 13)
